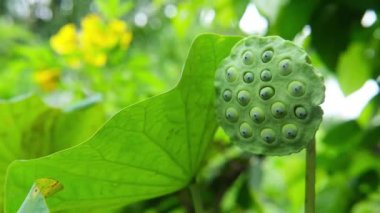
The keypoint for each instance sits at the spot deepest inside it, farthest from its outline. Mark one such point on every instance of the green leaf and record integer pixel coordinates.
(331, 27)
(30, 129)
(283, 22)
(148, 149)
(353, 68)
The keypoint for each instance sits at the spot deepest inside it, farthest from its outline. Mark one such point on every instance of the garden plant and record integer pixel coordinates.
(187, 106)
(266, 98)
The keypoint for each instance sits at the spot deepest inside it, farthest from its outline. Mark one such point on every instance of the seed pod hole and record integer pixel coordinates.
(246, 130)
(232, 114)
(266, 92)
(248, 77)
(278, 110)
(227, 95)
(289, 131)
(266, 75)
(248, 58)
(296, 88)
(300, 112)
(257, 115)
(267, 56)
(285, 67)
(231, 74)
(268, 135)
(243, 97)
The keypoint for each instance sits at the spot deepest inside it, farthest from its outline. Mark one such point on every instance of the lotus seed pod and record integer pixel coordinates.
(257, 115)
(248, 77)
(268, 96)
(266, 75)
(267, 56)
(227, 95)
(266, 93)
(232, 114)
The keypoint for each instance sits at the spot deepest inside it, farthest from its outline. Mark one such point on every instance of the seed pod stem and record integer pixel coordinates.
(310, 178)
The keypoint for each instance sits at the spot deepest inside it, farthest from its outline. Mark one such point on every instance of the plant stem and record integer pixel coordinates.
(310, 178)
(196, 197)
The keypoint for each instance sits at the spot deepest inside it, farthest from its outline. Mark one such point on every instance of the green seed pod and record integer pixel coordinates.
(231, 74)
(267, 56)
(244, 97)
(289, 131)
(246, 130)
(268, 135)
(278, 110)
(248, 77)
(227, 95)
(266, 92)
(248, 58)
(296, 88)
(266, 75)
(272, 102)
(232, 114)
(257, 115)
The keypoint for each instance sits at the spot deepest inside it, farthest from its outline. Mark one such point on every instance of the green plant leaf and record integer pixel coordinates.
(328, 21)
(30, 129)
(148, 149)
(280, 13)
(353, 68)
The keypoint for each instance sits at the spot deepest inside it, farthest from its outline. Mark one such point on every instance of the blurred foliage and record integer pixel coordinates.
(45, 52)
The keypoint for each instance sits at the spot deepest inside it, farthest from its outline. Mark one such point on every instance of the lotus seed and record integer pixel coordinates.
(266, 75)
(232, 114)
(267, 56)
(244, 97)
(227, 95)
(300, 112)
(246, 130)
(266, 93)
(248, 58)
(268, 135)
(296, 88)
(285, 67)
(257, 115)
(278, 110)
(290, 131)
(248, 77)
(231, 74)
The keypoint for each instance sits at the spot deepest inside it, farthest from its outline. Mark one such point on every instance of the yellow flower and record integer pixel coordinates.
(125, 40)
(65, 41)
(47, 79)
(117, 26)
(93, 43)
(97, 59)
